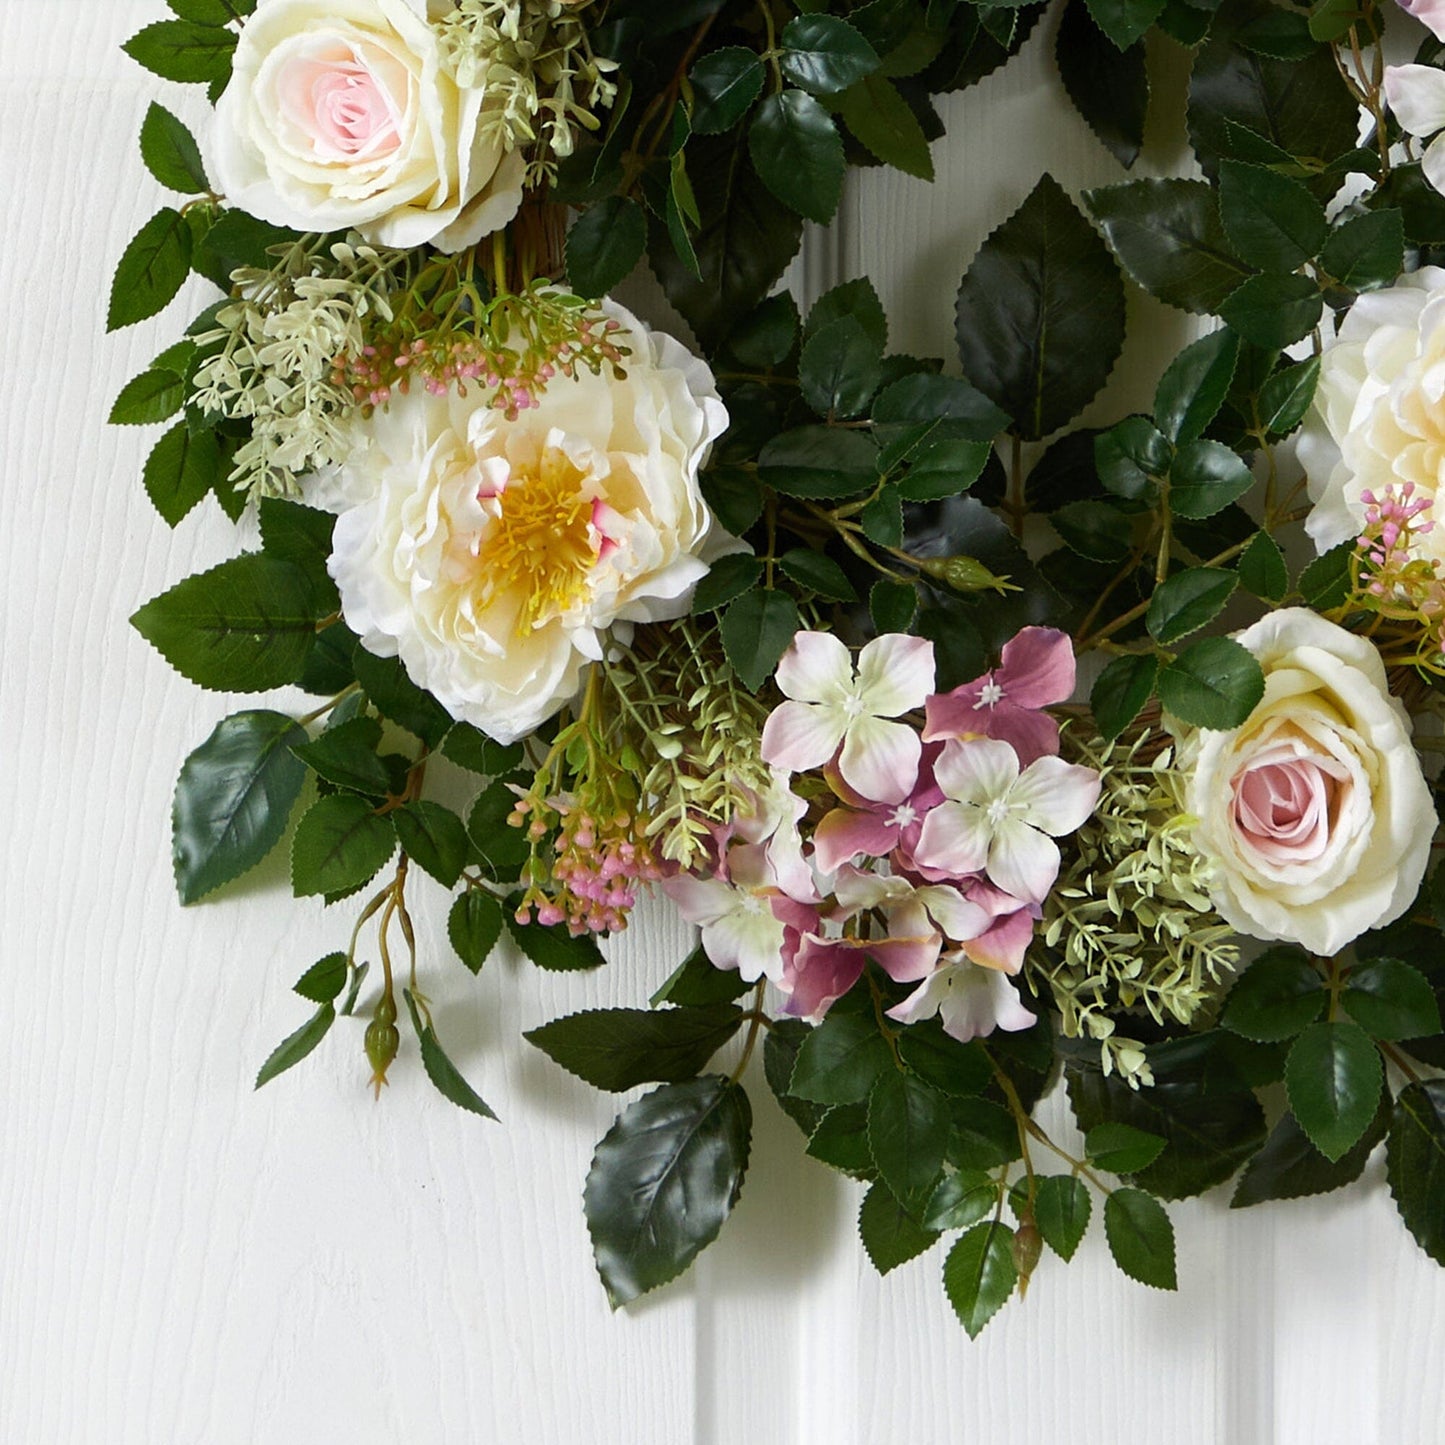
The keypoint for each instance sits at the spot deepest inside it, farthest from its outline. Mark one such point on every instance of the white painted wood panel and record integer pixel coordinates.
(182, 1260)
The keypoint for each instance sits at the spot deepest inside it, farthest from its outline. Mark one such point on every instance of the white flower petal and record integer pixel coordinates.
(1023, 861)
(816, 668)
(879, 760)
(802, 735)
(978, 770)
(1055, 796)
(1416, 94)
(954, 839)
(895, 674)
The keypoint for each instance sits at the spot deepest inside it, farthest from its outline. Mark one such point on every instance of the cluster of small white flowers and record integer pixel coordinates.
(277, 362)
(535, 63)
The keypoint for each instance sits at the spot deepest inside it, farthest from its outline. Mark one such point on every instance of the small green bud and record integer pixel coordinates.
(964, 574)
(382, 1040)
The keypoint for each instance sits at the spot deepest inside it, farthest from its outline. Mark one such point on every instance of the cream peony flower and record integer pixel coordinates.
(339, 116)
(1377, 420)
(1314, 812)
(491, 556)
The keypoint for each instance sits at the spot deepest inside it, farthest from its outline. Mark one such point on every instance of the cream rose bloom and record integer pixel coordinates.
(1378, 417)
(1314, 812)
(491, 556)
(339, 116)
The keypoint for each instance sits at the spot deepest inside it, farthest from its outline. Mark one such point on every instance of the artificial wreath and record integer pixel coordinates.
(751, 624)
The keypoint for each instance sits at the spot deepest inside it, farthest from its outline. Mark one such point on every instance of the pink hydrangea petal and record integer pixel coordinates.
(959, 918)
(977, 771)
(1032, 735)
(895, 674)
(906, 960)
(1003, 944)
(799, 735)
(1056, 796)
(1023, 861)
(843, 835)
(954, 840)
(954, 714)
(816, 667)
(879, 758)
(817, 974)
(1037, 668)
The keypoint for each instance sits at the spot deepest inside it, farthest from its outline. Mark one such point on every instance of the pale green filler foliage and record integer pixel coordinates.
(535, 63)
(1129, 925)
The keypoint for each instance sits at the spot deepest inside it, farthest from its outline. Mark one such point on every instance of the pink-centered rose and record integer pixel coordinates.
(1314, 812)
(340, 115)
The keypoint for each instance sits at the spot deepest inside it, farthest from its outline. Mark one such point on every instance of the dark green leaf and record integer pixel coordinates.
(1040, 315)
(605, 244)
(345, 754)
(1286, 396)
(1214, 683)
(152, 269)
(984, 1135)
(840, 1060)
(979, 1275)
(1274, 311)
(1290, 1167)
(663, 1180)
(882, 518)
(324, 980)
(1168, 237)
(944, 469)
(619, 1048)
(1141, 1238)
(1187, 601)
(961, 1199)
(1415, 1159)
(183, 50)
(1096, 530)
(875, 111)
(1367, 252)
(1131, 456)
(171, 153)
(1325, 583)
(554, 948)
(212, 12)
(889, 1233)
(958, 1069)
(153, 396)
(857, 299)
(1391, 1000)
(434, 837)
(767, 336)
(292, 1049)
(840, 1140)
(1334, 1077)
(1107, 83)
(180, 470)
(1061, 1211)
(756, 631)
(1121, 691)
(698, 980)
(1275, 997)
(908, 1124)
(818, 573)
(892, 605)
(824, 54)
(1205, 478)
(472, 749)
(798, 153)
(839, 369)
(1262, 569)
(819, 461)
(730, 577)
(444, 1074)
(780, 1057)
(474, 925)
(340, 843)
(1194, 387)
(1125, 21)
(1121, 1148)
(725, 84)
(246, 625)
(504, 847)
(233, 800)
(1273, 222)
(384, 680)
(237, 240)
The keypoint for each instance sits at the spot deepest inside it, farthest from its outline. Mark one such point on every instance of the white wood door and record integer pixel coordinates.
(186, 1262)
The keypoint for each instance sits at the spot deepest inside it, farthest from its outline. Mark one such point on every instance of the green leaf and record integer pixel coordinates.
(1121, 691)
(1274, 311)
(1108, 83)
(448, 1079)
(237, 240)
(554, 948)
(780, 1056)
(798, 153)
(1040, 314)
(840, 368)
(819, 461)
(1168, 236)
(1275, 997)
(619, 1048)
(233, 800)
(984, 1135)
(1325, 583)
(1273, 221)
(1188, 601)
(1130, 457)
(889, 1233)
(1366, 252)
(923, 408)
(756, 631)
(292, 1049)
(340, 843)
(841, 1141)
(824, 54)
(729, 578)
(170, 152)
(1333, 1076)
(882, 518)
(818, 573)
(1262, 568)
(944, 469)
(908, 1123)
(324, 980)
(153, 396)
(604, 245)
(697, 980)
(434, 837)
(876, 113)
(152, 269)
(663, 1181)
(1214, 683)
(1121, 1148)
(767, 336)
(938, 1058)
(180, 470)
(1391, 1000)
(892, 605)
(1125, 21)
(1290, 1167)
(840, 1060)
(472, 749)
(1061, 1210)
(1205, 478)
(979, 1275)
(858, 299)
(384, 680)
(961, 1199)
(212, 12)
(503, 847)
(474, 925)
(246, 625)
(725, 84)
(1141, 1238)
(1286, 396)
(345, 754)
(183, 50)
(1415, 1163)
(1193, 389)
(1096, 530)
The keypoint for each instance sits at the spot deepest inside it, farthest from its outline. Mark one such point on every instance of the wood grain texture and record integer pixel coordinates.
(183, 1260)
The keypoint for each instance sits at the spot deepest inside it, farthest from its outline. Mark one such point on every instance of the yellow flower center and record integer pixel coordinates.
(543, 545)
